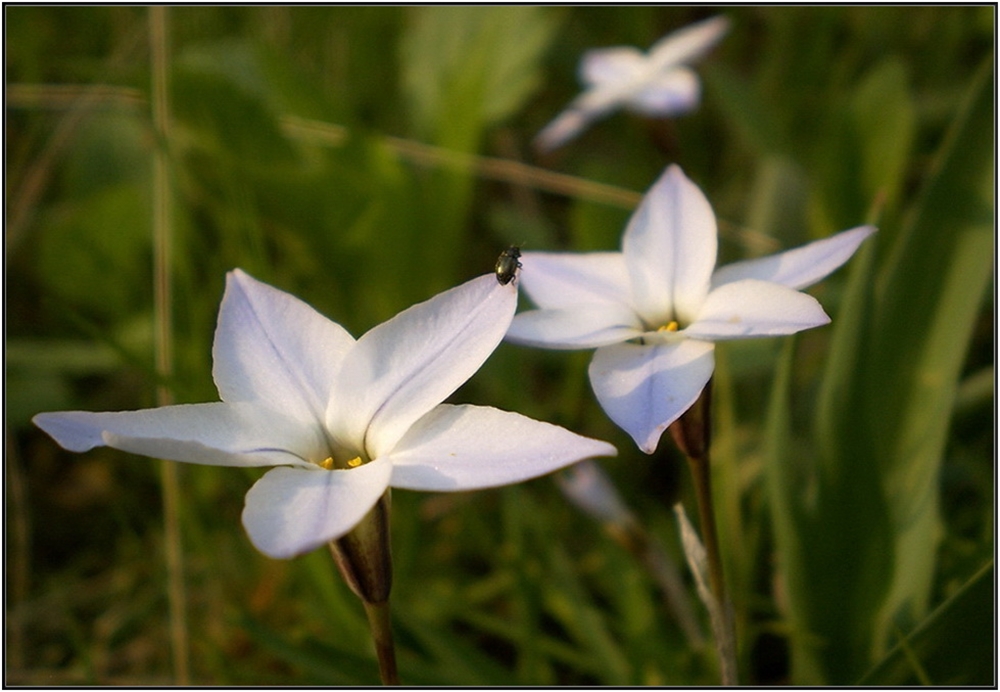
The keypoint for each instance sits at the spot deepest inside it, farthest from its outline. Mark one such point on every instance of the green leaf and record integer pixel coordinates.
(859, 558)
(89, 248)
(778, 199)
(832, 535)
(866, 150)
(883, 112)
(953, 646)
(745, 111)
(932, 290)
(465, 69)
(221, 92)
(470, 67)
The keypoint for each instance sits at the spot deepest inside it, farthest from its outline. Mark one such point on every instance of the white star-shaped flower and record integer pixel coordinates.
(342, 419)
(656, 84)
(655, 310)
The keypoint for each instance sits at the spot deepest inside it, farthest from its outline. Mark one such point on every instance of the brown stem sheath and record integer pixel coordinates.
(364, 559)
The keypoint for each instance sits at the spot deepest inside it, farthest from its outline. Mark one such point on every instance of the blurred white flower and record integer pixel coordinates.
(586, 485)
(656, 84)
(655, 310)
(343, 419)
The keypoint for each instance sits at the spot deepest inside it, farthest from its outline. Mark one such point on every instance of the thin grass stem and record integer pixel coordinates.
(692, 433)
(163, 339)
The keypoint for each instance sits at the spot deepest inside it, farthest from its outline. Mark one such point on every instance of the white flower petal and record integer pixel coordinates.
(673, 93)
(670, 248)
(469, 447)
(611, 65)
(216, 434)
(752, 308)
(289, 512)
(563, 279)
(800, 267)
(563, 128)
(402, 368)
(645, 388)
(272, 348)
(585, 108)
(689, 43)
(580, 327)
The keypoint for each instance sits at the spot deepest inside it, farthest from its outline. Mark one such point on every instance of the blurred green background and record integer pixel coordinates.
(365, 158)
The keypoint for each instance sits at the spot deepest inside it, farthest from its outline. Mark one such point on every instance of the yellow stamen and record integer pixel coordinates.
(327, 463)
(670, 326)
(354, 463)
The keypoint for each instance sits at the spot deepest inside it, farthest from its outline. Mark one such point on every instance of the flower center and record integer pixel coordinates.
(329, 463)
(664, 334)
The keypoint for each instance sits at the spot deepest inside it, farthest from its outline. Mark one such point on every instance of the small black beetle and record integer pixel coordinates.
(507, 265)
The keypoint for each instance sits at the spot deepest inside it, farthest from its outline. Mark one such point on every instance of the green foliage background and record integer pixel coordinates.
(340, 153)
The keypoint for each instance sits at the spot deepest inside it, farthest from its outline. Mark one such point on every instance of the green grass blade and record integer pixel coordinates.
(898, 348)
(953, 646)
(931, 295)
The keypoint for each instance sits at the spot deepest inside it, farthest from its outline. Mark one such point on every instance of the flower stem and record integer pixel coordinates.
(692, 433)
(378, 620)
